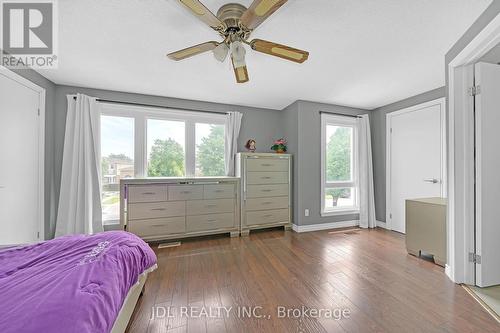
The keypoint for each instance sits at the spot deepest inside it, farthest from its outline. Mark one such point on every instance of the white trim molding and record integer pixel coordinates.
(381, 224)
(460, 218)
(324, 226)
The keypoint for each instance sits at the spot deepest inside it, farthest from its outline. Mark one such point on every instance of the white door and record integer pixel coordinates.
(415, 150)
(19, 162)
(487, 115)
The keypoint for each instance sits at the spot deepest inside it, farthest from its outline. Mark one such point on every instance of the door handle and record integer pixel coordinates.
(431, 180)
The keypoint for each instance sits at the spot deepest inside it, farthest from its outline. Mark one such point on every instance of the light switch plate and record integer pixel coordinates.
(306, 212)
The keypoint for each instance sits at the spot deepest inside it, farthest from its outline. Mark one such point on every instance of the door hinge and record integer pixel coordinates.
(38, 235)
(475, 90)
(390, 215)
(391, 129)
(474, 258)
(38, 111)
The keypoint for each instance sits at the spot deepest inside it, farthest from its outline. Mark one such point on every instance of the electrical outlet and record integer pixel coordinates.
(306, 212)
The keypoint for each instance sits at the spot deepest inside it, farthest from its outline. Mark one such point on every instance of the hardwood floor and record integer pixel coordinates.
(367, 273)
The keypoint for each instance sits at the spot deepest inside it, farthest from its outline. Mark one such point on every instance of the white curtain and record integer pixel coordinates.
(233, 125)
(367, 217)
(80, 209)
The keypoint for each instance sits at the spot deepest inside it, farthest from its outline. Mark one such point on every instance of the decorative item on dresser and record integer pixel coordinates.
(172, 208)
(266, 190)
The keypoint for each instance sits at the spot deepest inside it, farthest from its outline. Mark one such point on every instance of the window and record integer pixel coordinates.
(166, 148)
(209, 150)
(339, 190)
(117, 162)
(150, 142)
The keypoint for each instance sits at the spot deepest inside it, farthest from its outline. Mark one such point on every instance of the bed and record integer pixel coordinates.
(73, 283)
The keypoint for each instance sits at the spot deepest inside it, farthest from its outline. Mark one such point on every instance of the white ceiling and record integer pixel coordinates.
(364, 53)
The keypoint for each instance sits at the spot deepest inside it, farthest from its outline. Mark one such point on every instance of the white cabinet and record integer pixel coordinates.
(266, 190)
(156, 209)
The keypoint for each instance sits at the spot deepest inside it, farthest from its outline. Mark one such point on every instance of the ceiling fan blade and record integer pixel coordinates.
(203, 13)
(278, 50)
(259, 11)
(192, 51)
(241, 73)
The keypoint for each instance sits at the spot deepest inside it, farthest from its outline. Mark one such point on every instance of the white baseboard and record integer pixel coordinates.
(381, 224)
(324, 226)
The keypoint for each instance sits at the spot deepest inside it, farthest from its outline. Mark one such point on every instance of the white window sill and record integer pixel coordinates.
(340, 212)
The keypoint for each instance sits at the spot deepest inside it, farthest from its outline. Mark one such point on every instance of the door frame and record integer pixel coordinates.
(41, 143)
(388, 176)
(460, 213)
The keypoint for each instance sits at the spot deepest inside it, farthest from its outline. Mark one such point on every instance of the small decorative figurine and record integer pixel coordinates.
(250, 145)
(279, 146)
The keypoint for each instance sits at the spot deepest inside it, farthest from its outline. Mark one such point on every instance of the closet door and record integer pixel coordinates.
(19, 162)
(415, 158)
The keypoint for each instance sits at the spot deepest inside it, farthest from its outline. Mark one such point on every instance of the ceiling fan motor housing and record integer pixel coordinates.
(230, 15)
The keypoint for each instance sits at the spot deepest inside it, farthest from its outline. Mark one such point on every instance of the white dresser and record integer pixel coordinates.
(168, 208)
(266, 190)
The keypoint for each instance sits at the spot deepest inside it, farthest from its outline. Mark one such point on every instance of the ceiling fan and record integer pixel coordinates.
(235, 23)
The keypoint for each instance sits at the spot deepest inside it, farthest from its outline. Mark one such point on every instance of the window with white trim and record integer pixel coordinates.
(339, 169)
(151, 142)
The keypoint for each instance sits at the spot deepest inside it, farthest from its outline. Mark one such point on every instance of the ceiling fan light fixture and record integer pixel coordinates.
(238, 54)
(221, 52)
(196, 7)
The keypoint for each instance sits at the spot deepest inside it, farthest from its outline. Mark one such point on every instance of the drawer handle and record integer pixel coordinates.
(149, 193)
(210, 206)
(212, 220)
(266, 190)
(186, 192)
(158, 209)
(267, 203)
(266, 164)
(268, 215)
(157, 225)
(265, 177)
(219, 191)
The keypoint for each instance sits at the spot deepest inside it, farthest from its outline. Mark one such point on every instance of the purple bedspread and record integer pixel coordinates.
(70, 284)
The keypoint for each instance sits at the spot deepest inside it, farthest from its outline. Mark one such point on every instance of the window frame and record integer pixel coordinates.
(344, 121)
(141, 114)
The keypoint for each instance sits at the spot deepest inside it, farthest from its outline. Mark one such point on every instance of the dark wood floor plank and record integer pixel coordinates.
(367, 272)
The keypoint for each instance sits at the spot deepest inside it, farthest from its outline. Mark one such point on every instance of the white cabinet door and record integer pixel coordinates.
(487, 111)
(19, 163)
(414, 157)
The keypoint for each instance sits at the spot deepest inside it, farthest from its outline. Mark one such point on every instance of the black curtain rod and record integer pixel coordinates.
(341, 114)
(155, 106)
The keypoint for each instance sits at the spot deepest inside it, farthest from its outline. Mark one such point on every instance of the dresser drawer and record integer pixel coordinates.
(267, 203)
(147, 193)
(267, 177)
(185, 192)
(139, 211)
(222, 191)
(200, 207)
(267, 164)
(267, 217)
(158, 227)
(209, 222)
(265, 191)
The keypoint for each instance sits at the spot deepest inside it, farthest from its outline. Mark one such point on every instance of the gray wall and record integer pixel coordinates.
(308, 171)
(265, 125)
(50, 90)
(379, 144)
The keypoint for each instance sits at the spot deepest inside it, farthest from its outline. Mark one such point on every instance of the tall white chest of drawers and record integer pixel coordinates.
(171, 208)
(266, 190)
